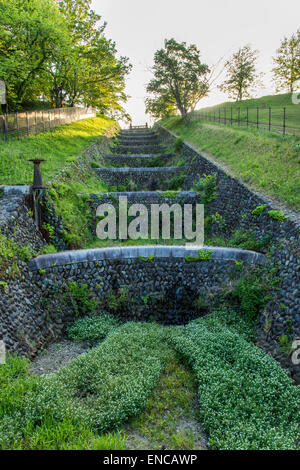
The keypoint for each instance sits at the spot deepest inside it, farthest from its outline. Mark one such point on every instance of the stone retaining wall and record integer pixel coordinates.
(143, 178)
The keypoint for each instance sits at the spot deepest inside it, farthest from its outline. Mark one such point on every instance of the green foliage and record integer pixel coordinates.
(203, 255)
(241, 74)
(25, 252)
(286, 69)
(178, 144)
(219, 220)
(258, 210)
(18, 429)
(47, 249)
(251, 294)
(59, 50)
(206, 186)
(50, 229)
(179, 80)
(80, 297)
(246, 240)
(149, 258)
(277, 215)
(176, 182)
(106, 386)
(285, 344)
(116, 300)
(94, 328)
(246, 400)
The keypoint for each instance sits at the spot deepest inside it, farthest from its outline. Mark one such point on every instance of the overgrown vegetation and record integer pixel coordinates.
(246, 400)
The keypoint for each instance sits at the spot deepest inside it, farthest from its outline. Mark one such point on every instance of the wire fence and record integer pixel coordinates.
(18, 125)
(283, 120)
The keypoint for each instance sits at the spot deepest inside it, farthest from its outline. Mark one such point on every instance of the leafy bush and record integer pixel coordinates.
(246, 400)
(25, 252)
(251, 293)
(206, 186)
(178, 144)
(94, 328)
(80, 296)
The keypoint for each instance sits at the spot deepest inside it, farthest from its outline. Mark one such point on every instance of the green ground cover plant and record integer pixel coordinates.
(246, 400)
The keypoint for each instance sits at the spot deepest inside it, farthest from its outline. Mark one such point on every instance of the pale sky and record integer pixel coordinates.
(217, 27)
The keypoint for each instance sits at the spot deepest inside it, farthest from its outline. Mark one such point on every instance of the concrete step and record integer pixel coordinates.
(135, 161)
(140, 149)
(141, 178)
(136, 142)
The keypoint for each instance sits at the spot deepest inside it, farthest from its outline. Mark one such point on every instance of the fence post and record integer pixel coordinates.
(270, 114)
(43, 120)
(5, 127)
(239, 116)
(219, 115)
(257, 118)
(35, 122)
(284, 120)
(247, 116)
(231, 115)
(27, 123)
(18, 128)
(49, 117)
(225, 119)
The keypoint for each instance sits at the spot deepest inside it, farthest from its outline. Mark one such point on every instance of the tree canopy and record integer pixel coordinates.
(180, 80)
(241, 74)
(286, 69)
(57, 51)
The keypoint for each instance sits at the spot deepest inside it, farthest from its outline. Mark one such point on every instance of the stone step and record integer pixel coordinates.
(136, 142)
(138, 160)
(142, 178)
(140, 149)
(137, 134)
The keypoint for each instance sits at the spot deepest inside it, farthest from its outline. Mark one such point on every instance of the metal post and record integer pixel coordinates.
(35, 121)
(225, 119)
(38, 190)
(270, 114)
(257, 118)
(284, 120)
(27, 123)
(239, 116)
(231, 115)
(247, 116)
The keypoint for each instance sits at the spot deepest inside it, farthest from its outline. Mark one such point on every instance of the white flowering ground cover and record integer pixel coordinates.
(246, 400)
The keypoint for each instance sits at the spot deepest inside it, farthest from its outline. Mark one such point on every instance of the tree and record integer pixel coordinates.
(287, 63)
(241, 74)
(31, 33)
(179, 80)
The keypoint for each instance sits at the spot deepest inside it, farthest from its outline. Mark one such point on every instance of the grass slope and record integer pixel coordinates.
(266, 161)
(276, 102)
(59, 147)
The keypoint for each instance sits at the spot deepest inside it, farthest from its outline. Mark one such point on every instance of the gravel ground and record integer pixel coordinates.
(57, 355)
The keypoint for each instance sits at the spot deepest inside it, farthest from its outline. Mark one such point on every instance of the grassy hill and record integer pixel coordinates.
(58, 147)
(276, 102)
(267, 161)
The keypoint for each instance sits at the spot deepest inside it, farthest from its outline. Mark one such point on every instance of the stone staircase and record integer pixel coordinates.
(139, 162)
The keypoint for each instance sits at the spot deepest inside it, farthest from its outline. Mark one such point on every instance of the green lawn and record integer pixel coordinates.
(276, 102)
(59, 147)
(268, 162)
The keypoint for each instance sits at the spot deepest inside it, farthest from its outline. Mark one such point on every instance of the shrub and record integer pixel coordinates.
(47, 249)
(175, 183)
(94, 328)
(251, 293)
(206, 186)
(80, 296)
(178, 144)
